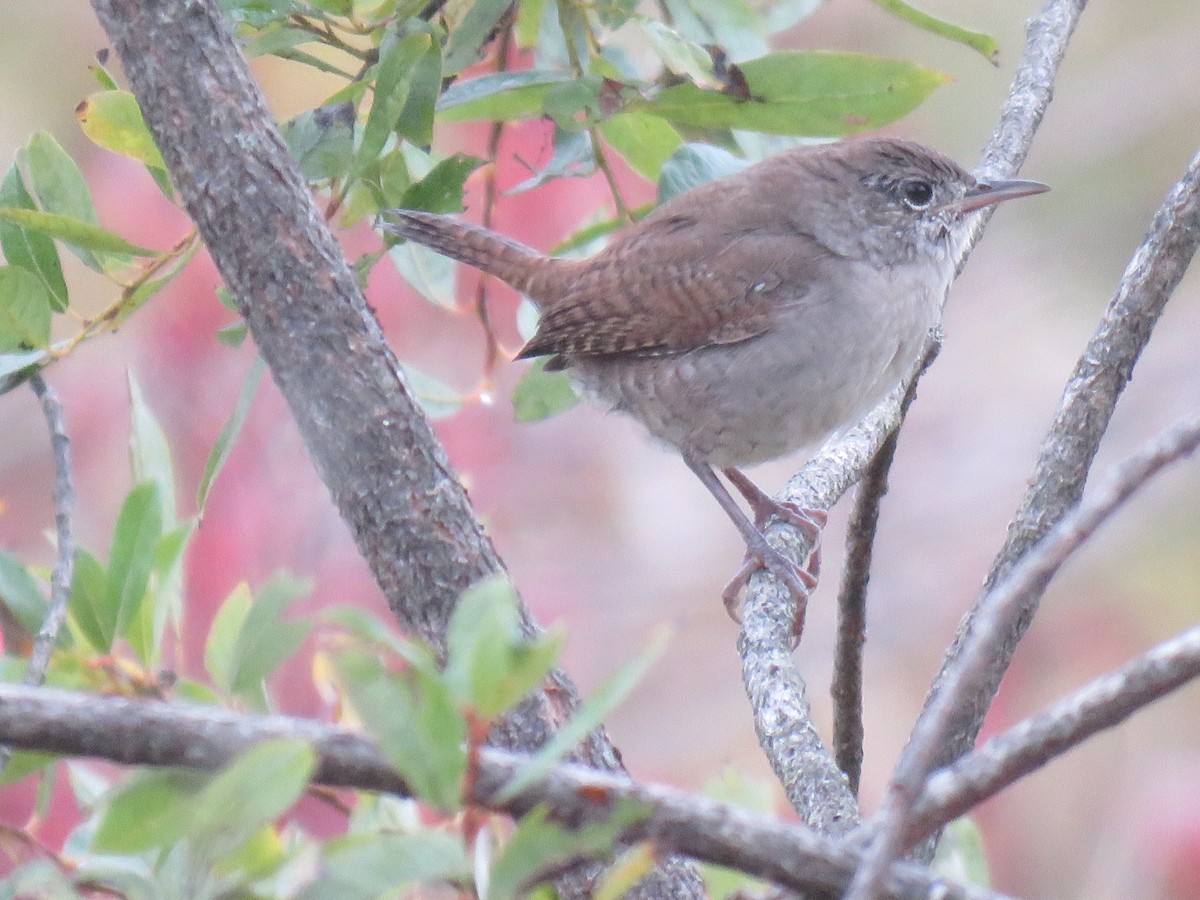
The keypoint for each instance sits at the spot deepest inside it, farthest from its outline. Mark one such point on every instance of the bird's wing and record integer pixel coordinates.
(645, 302)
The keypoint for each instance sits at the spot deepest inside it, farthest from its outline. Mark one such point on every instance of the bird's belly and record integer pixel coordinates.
(783, 391)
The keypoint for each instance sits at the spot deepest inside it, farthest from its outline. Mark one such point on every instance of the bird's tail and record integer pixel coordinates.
(493, 253)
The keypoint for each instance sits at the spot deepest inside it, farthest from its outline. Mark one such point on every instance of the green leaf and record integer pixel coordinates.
(501, 96)
(233, 335)
(428, 273)
(466, 40)
(644, 141)
(960, 854)
(540, 846)
(491, 665)
(436, 397)
(322, 140)
(113, 120)
(817, 94)
(393, 76)
(695, 164)
(590, 713)
(375, 865)
(20, 594)
(24, 310)
(416, 119)
(984, 44)
(74, 232)
(24, 763)
(229, 433)
(16, 367)
(415, 722)
(258, 787)
(60, 187)
(30, 249)
(134, 301)
(149, 810)
(150, 455)
(679, 55)
(275, 39)
(91, 610)
(574, 156)
(139, 526)
(220, 650)
(541, 394)
(265, 639)
(442, 189)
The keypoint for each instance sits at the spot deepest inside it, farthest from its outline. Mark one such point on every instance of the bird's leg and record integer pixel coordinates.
(760, 552)
(810, 522)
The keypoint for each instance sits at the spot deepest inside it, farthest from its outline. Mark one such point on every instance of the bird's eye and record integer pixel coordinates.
(917, 194)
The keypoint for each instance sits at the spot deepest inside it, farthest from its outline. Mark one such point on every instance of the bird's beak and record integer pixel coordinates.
(989, 193)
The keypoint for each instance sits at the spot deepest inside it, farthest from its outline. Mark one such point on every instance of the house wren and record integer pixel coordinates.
(753, 315)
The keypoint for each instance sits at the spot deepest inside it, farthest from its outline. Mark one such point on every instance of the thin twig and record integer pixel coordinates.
(852, 598)
(994, 617)
(148, 732)
(1101, 704)
(64, 510)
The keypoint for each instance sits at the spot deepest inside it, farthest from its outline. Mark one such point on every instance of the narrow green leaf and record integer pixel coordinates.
(16, 367)
(574, 156)
(30, 249)
(229, 433)
(20, 594)
(220, 650)
(415, 722)
(24, 763)
(393, 75)
(679, 55)
(78, 234)
(60, 187)
(646, 142)
(260, 785)
(529, 21)
(442, 189)
(501, 96)
(490, 664)
(24, 310)
(113, 120)
(375, 865)
(436, 397)
(233, 336)
(960, 854)
(541, 394)
(266, 640)
(817, 94)
(276, 39)
(540, 846)
(590, 713)
(150, 456)
(695, 164)
(139, 526)
(466, 40)
(416, 119)
(147, 289)
(983, 44)
(428, 273)
(149, 810)
(91, 611)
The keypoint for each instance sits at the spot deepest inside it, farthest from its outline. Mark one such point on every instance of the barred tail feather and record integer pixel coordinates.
(493, 253)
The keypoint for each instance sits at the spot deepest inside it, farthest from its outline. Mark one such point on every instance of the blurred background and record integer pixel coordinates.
(615, 539)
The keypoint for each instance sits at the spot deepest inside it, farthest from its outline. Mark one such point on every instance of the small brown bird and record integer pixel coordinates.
(754, 315)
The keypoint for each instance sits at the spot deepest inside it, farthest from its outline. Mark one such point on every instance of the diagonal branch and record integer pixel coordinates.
(369, 440)
(774, 685)
(995, 616)
(150, 732)
(1103, 703)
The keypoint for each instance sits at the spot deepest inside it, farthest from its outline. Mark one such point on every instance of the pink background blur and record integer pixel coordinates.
(614, 538)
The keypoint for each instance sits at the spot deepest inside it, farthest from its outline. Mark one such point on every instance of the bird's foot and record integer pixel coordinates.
(798, 581)
(765, 507)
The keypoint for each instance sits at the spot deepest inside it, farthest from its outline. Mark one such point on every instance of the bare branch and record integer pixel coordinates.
(994, 617)
(1103, 703)
(781, 713)
(64, 511)
(150, 732)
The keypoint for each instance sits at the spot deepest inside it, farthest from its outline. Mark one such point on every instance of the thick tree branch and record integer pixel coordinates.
(994, 618)
(149, 732)
(370, 441)
(774, 685)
